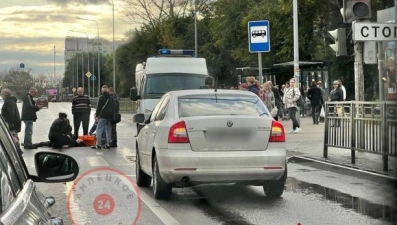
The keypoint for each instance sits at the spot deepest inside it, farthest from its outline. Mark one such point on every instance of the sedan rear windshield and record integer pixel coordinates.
(220, 105)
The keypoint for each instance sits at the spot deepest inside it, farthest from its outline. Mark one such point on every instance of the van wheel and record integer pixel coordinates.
(161, 189)
(275, 188)
(142, 179)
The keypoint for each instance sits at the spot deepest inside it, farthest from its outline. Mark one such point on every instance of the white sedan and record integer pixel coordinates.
(210, 136)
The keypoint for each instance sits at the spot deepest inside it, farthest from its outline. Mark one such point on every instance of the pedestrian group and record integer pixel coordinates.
(60, 133)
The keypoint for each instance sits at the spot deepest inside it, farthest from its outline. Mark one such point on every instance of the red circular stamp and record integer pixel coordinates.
(104, 196)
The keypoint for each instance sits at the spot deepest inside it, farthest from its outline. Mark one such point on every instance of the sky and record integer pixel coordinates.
(30, 30)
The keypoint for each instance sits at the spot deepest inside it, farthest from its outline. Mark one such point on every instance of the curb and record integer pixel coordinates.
(343, 169)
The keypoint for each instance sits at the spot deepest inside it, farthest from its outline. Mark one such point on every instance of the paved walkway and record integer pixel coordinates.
(309, 143)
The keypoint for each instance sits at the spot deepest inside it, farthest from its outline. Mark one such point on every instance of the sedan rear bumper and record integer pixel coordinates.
(219, 167)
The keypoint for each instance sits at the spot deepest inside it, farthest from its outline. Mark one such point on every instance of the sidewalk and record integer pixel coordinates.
(309, 143)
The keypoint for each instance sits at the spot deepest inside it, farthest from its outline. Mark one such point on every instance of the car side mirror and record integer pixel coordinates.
(54, 167)
(134, 94)
(139, 118)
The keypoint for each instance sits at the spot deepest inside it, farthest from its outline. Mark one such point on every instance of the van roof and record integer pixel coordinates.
(176, 65)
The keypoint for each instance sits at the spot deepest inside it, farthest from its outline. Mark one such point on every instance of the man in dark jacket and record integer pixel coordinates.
(314, 94)
(60, 132)
(336, 95)
(10, 111)
(29, 116)
(104, 113)
(116, 108)
(11, 115)
(81, 109)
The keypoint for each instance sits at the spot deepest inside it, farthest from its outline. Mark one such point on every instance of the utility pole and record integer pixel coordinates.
(114, 55)
(296, 44)
(358, 71)
(54, 66)
(195, 29)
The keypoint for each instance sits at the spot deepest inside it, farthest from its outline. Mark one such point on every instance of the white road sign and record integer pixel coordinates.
(374, 31)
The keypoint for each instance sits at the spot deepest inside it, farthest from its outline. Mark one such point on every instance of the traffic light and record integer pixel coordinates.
(356, 10)
(339, 36)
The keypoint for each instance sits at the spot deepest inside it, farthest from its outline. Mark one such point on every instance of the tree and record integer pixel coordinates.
(151, 12)
(18, 82)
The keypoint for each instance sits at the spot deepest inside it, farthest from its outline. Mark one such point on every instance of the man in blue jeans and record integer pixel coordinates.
(104, 113)
(29, 116)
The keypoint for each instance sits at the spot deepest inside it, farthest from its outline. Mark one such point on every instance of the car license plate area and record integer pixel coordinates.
(228, 136)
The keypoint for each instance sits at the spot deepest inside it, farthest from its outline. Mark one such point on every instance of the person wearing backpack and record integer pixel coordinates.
(104, 113)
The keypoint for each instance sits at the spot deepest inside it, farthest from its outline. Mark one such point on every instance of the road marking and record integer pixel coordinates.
(160, 212)
(96, 161)
(99, 153)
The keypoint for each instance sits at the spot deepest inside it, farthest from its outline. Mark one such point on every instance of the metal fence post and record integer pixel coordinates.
(326, 123)
(384, 136)
(353, 132)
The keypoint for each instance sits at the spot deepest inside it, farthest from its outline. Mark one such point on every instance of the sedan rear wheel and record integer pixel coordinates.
(142, 179)
(275, 188)
(161, 189)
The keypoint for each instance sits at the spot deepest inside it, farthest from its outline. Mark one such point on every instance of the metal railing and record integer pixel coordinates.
(361, 126)
(126, 105)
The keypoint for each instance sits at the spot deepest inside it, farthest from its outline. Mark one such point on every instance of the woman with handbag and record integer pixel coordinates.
(269, 100)
(291, 97)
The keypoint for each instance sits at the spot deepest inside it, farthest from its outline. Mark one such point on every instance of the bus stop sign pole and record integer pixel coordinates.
(259, 41)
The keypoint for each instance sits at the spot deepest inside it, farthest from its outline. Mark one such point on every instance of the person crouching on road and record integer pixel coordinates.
(60, 134)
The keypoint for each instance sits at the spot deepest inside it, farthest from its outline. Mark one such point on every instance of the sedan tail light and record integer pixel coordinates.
(277, 134)
(177, 133)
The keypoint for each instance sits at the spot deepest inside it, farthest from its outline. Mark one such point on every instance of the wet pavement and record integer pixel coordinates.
(313, 194)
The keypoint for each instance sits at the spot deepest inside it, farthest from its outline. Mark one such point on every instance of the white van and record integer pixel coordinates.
(170, 71)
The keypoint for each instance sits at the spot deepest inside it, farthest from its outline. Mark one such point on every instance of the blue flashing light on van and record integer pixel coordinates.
(184, 52)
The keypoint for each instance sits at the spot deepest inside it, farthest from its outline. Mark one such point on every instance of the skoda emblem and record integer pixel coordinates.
(229, 123)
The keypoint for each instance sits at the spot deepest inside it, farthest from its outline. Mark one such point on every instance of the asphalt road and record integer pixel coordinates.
(105, 192)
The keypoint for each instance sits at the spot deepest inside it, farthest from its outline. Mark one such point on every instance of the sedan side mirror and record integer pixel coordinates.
(139, 118)
(54, 167)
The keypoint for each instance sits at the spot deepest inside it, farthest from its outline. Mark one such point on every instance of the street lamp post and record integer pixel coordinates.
(114, 55)
(195, 28)
(99, 68)
(88, 68)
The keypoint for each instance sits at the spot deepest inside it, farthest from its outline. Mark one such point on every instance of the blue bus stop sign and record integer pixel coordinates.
(258, 36)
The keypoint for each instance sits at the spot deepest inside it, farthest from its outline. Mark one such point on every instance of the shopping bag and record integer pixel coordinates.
(274, 111)
(322, 113)
(339, 110)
